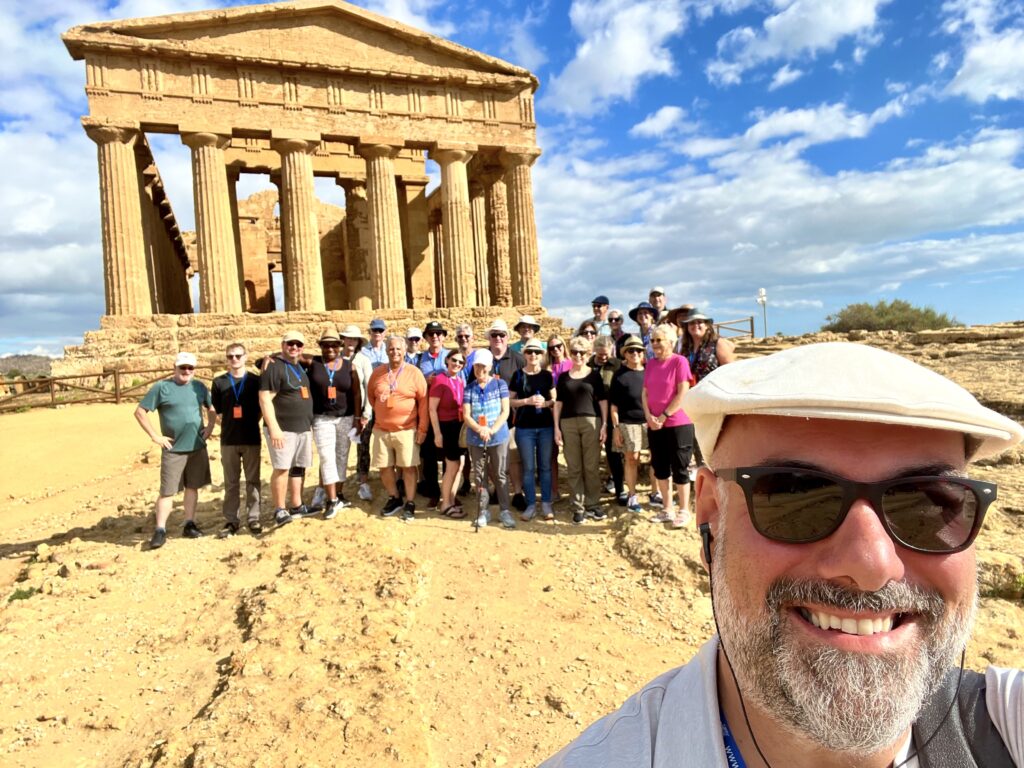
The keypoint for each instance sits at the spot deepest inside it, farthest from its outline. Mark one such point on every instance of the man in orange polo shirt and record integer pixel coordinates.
(398, 393)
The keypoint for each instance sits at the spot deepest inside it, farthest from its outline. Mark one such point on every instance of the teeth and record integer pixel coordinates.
(849, 626)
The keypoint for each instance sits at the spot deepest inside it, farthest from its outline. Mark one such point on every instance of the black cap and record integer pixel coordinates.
(602, 299)
(434, 327)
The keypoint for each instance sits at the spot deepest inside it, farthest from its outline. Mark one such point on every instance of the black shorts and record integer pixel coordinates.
(450, 440)
(671, 449)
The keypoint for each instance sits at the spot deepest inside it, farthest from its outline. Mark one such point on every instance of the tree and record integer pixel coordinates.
(897, 315)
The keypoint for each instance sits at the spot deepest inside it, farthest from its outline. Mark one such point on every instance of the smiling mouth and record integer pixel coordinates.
(824, 620)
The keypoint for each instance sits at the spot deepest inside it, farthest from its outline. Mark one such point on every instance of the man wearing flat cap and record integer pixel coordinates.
(838, 524)
(600, 307)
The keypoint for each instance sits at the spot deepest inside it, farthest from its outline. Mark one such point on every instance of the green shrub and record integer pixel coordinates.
(22, 593)
(897, 315)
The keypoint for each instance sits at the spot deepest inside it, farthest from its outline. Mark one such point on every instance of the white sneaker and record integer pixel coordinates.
(506, 519)
(481, 522)
(364, 492)
(682, 520)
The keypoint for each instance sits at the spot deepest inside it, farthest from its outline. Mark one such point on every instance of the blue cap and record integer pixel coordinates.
(602, 299)
(378, 325)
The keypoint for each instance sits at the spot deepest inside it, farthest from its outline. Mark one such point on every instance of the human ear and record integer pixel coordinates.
(706, 505)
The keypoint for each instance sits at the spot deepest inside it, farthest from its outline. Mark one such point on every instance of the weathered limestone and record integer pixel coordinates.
(300, 237)
(419, 256)
(499, 280)
(386, 261)
(459, 273)
(126, 285)
(218, 265)
(437, 248)
(357, 254)
(523, 257)
(478, 217)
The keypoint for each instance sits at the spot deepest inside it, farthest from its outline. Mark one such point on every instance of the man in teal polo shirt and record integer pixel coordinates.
(184, 463)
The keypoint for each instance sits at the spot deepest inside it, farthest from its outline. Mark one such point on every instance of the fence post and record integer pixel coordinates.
(53, 395)
(751, 319)
(117, 386)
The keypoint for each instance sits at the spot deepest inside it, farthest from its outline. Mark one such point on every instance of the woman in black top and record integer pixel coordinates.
(532, 392)
(334, 385)
(581, 414)
(629, 428)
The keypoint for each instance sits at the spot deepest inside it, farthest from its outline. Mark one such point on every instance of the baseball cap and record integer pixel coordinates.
(185, 358)
(601, 299)
(656, 289)
(845, 381)
(293, 336)
(378, 325)
(483, 357)
(413, 333)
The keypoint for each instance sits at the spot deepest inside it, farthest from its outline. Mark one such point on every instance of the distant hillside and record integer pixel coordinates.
(25, 365)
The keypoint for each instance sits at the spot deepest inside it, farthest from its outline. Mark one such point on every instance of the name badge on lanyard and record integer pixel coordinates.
(332, 391)
(236, 412)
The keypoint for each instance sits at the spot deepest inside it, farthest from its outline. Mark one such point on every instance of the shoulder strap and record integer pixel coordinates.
(967, 736)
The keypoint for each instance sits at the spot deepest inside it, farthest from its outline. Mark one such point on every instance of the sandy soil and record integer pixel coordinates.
(358, 641)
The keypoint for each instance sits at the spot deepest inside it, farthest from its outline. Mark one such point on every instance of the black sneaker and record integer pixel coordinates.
(302, 511)
(159, 538)
(229, 530)
(519, 502)
(409, 511)
(331, 510)
(191, 530)
(578, 518)
(622, 499)
(255, 528)
(391, 506)
(281, 517)
(599, 514)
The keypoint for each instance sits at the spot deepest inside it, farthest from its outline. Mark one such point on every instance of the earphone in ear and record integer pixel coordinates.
(706, 537)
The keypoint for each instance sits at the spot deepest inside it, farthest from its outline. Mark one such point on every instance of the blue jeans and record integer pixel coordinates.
(535, 453)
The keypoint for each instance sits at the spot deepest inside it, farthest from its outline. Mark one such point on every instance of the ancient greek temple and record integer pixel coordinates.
(298, 90)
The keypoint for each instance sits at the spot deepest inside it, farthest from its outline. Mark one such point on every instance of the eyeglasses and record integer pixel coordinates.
(433, 333)
(578, 352)
(377, 330)
(532, 352)
(236, 357)
(588, 333)
(186, 367)
(330, 345)
(498, 335)
(634, 351)
(298, 344)
(614, 319)
(938, 514)
(556, 346)
(414, 338)
(456, 360)
(463, 337)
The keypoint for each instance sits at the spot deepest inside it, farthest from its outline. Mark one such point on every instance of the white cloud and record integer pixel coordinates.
(624, 43)
(783, 76)
(521, 46)
(801, 28)
(659, 123)
(415, 13)
(993, 68)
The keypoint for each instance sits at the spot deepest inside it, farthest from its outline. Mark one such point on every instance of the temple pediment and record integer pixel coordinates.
(332, 35)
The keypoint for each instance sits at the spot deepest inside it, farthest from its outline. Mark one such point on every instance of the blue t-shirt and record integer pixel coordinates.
(430, 365)
(486, 402)
(180, 407)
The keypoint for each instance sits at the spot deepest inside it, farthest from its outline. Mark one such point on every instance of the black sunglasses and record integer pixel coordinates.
(462, 337)
(556, 346)
(614, 319)
(938, 514)
(235, 357)
(532, 352)
(298, 344)
(498, 335)
(186, 367)
(576, 352)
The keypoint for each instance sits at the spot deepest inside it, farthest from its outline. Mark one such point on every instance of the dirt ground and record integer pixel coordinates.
(360, 641)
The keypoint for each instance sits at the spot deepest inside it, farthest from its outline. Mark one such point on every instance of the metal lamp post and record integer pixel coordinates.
(762, 299)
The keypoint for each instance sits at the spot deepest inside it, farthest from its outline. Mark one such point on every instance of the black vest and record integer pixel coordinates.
(965, 739)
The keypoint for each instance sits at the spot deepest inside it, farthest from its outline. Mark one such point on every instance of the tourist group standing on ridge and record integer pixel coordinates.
(446, 422)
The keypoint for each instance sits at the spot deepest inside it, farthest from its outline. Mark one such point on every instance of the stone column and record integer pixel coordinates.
(459, 271)
(499, 281)
(478, 215)
(215, 236)
(125, 282)
(300, 235)
(419, 257)
(147, 204)
(246, 295)
(357, 235)
(437, 247)
(385, 246)
(522, 240)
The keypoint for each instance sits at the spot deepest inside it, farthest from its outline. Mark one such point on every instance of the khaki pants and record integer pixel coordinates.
(581, 446)
(235, 458)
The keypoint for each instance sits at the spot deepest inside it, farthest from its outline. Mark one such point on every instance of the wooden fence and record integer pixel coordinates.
(736, 329)
(112, 386)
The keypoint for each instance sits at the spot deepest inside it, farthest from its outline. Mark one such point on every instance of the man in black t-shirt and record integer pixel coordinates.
(236, 399)
(287, 407)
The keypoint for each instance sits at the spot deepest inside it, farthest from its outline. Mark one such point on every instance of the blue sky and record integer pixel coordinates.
(829, 152)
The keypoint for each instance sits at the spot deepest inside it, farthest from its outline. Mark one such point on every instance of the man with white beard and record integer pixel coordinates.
(838, 528)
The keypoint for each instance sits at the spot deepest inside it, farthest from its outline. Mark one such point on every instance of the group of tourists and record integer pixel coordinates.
(439, 421)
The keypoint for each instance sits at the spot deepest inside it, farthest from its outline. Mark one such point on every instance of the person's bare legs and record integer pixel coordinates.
(162, 510)
(409, 480)
(389, 481)
(632, 462)
(451, 473)
(278, 487)
(191, 502)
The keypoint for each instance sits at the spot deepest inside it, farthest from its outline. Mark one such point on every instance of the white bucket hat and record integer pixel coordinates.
(850, 382)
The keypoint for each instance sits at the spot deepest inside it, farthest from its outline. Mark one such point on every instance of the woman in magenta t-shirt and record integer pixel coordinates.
(669, 430)
(446, 392)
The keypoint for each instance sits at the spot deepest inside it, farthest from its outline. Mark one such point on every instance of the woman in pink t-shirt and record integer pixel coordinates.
(669, 430)
(446, 392)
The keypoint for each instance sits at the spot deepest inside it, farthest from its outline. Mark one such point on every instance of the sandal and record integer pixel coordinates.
(456, 512)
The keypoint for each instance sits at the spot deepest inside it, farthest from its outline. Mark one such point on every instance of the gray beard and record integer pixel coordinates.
(844, 701)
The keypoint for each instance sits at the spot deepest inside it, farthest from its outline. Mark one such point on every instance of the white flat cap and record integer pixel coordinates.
(851, 382)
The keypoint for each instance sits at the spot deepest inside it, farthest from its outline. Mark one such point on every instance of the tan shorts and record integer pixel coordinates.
(634, 438)
(394, 449)
(179, 471)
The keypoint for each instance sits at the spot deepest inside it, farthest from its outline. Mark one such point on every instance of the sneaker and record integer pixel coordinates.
(529, 513)
(633, 504)
(191, 530)
(682, 521)
(578, 518)
(302, 511)
(364, 492)
(409, 511)
(609, 486)
(506, 519)
(655, 500)
(547, 512)
(319, 499)
(229, 530)
(159, 538)
(255, 528)
(598, 514)
(332, 509)
(391, 506)
(622, 499)
(341, 501)
(519, 502)
(281, 517)
(662, 517)
(482, 520)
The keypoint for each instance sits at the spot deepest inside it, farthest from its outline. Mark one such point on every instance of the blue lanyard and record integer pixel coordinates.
(732, 750)
(331, 372)
(237, 392)
(296, 371)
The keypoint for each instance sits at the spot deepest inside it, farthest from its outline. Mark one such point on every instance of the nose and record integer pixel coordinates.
(860, 553)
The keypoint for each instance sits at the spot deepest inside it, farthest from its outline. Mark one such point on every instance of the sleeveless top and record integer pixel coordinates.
(703, 360)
